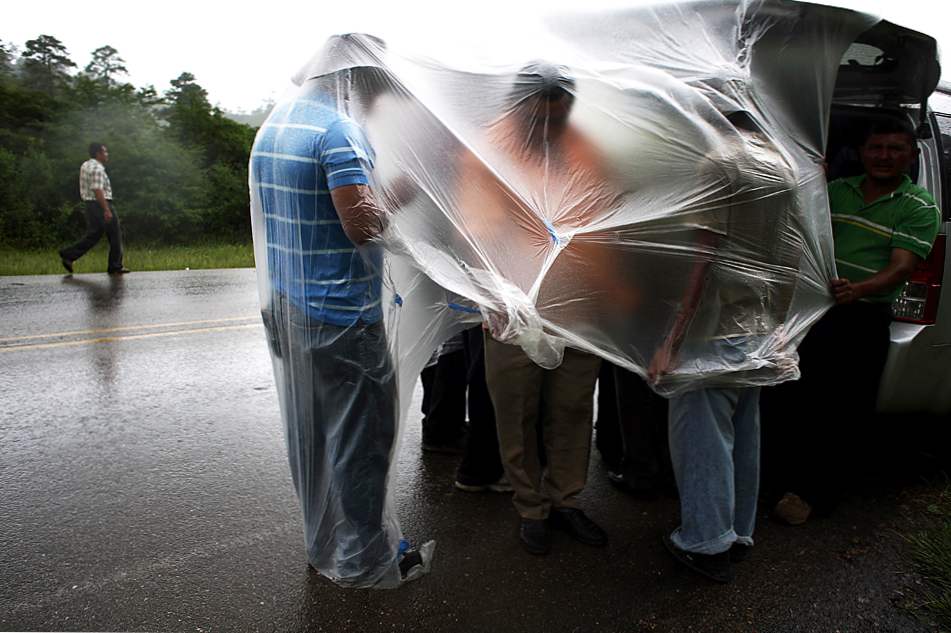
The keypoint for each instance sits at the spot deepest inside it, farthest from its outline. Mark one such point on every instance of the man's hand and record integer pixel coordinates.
(497, 324)
(106, 209)
(845, 291)
(900, 267)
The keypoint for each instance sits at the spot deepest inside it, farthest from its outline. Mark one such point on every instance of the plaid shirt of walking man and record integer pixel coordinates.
(96, 192)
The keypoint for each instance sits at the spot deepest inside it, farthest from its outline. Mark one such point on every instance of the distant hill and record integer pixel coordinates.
(254, 118)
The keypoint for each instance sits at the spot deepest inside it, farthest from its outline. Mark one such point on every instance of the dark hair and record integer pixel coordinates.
(542, 79)
(372, 82)
(95, 148)
(891, 126)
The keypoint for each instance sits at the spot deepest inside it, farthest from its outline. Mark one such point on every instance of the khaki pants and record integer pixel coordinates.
(560, 403)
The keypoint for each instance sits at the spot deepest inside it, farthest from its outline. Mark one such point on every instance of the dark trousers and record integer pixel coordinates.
(632, 430)
(642, 420)
(444, 399)
(607, 433)
(482, 461)
(96, 225)
(815, 427)
(337, 391)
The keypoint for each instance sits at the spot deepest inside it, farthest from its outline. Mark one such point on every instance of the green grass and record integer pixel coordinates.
(931, 553)
(137, 258)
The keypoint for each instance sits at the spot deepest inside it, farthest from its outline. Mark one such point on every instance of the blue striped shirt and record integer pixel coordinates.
(304, 150)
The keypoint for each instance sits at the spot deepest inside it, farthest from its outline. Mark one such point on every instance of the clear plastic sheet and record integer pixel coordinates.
(647, 186)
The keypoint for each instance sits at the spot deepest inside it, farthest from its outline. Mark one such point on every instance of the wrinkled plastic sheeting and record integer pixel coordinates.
(684, 188)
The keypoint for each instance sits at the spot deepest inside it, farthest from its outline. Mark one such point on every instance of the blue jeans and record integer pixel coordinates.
(715, 450)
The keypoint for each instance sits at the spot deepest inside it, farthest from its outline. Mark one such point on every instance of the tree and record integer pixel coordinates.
(7, 56)
(186, 94)
(149, 96)
(106, 65)
(46, 63)
(188, 110)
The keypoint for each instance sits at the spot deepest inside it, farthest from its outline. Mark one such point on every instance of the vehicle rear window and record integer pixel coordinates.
(940, 102)
(859, 54)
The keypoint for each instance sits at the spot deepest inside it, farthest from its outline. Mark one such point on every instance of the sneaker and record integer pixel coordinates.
(577, 524)
(740, 552)
(68, 265)
(792, 510)
(415, 563)
(533, 533)
(468, 485)
(410, 558)
(716, 567)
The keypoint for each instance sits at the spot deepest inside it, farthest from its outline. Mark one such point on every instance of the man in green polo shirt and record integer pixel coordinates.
(883, 226)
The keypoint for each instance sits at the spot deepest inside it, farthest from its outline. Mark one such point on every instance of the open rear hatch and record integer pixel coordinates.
(888, 65)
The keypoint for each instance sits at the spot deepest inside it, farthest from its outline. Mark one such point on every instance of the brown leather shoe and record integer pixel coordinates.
(792, 510)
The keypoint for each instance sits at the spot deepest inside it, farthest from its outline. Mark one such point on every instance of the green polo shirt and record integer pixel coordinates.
(865, 234)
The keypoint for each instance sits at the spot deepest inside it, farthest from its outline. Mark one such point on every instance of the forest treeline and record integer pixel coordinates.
(179, 166)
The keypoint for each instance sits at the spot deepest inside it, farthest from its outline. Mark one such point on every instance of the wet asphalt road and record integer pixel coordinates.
(143, 486)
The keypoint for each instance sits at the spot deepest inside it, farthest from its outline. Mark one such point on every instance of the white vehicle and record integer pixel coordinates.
(917, 376)
(892, 71)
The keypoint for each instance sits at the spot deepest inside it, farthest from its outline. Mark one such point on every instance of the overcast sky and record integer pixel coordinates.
(244, 53)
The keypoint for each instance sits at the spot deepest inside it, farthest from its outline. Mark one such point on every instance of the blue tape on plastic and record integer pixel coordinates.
(551, 231)
(398, 300)
(462, 308)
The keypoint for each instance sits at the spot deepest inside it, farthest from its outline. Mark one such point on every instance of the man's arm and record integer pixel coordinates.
(361, 216)
(900, 267)
(106, 211)
(667, 352)
(98, 186)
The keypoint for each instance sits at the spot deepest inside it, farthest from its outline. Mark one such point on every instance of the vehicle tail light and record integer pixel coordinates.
(918, 301)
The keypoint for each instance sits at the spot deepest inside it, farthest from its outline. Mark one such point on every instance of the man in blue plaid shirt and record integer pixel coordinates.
(316, 220)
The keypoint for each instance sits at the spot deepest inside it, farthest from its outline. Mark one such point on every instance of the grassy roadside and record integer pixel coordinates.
(931, 553)
(137, 258)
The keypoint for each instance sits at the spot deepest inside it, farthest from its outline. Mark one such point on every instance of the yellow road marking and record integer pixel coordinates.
(112, 339)
(122, 328)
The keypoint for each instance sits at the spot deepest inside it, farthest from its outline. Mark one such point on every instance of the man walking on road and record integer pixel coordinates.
(96, 192)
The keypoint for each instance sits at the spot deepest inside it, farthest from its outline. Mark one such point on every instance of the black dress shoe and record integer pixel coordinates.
(740, 552)
(533, 533)
(119, 271)
(577, 524)
(716, 567)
